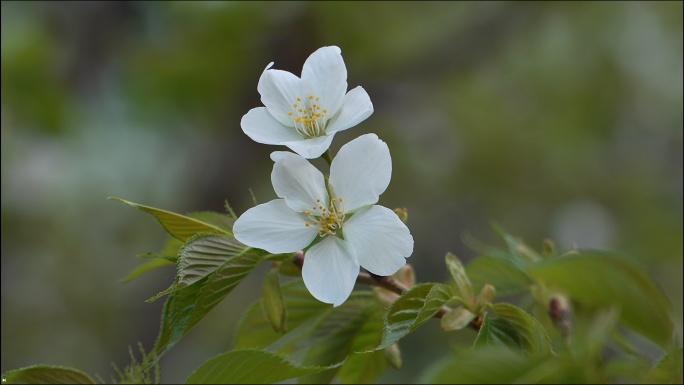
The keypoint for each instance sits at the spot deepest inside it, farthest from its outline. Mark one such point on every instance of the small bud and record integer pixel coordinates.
(402, 213)
(548, 248)
(486, 295)
(561, 314)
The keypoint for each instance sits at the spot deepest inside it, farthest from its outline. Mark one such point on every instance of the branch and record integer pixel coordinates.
(391, 284)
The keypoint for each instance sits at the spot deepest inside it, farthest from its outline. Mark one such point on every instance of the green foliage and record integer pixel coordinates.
(603, 279)
(249, 367)
(463, 285)
(191, 300)
(321, 335)
(412, 309)
(46, 374)
(178, 226)
(513, 327)
(457, 319)
(272, 303)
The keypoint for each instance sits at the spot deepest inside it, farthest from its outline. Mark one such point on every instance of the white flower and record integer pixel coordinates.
(304, 114)
(346, 228)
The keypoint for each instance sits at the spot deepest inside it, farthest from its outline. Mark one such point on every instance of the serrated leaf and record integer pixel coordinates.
(46, 374)
(272, 302)
(177, 225)
(250, 367)
(533, 336)
(412, 309)
(507, 275)
(186, 306)
(457, 319)
(605, 280)
(458, 274)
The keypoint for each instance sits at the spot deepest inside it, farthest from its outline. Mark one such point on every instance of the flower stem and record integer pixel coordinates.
(389, 283)
(327, 156)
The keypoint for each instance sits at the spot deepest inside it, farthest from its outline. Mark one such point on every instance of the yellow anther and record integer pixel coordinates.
(290, 113)
(340, 199)
(307, 213)
(299, 99)
(310, 97)
(317, 99)
(294, 105)
(318, 200)
(325, 111)
(307, 224)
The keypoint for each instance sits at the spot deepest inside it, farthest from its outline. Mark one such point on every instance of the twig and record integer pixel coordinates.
(389, 283)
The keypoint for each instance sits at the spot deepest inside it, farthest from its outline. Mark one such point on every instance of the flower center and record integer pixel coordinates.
(309, 117)
(328, 219)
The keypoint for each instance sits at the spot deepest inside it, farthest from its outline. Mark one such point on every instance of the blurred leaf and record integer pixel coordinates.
(496, 331)
(179, 226)
(486, 295)
(605, 280)
(457, 319)
(412, 309)
(46, 374)
(501, 271)
(250, 367)
(272, 302)
(458, 274)
(668, 370)
(145, 267)
(186, 306)
(393, 356)
(532, 334)
(489, 365)
(516, 246)
(289, 269)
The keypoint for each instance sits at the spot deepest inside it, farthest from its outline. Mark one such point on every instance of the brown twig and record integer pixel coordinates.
(389, 283)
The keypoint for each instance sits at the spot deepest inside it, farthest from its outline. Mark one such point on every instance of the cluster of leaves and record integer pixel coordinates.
(575, 308)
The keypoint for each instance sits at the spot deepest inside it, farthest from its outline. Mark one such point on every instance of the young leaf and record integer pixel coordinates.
(498, 332)
(486, 295)
(178, 226)
(517, 247)
(273, 305)
(605, 280)
(501, 271)
(412, 309)
(145, 267)
(46, 374)
(457, 319)
(458, 274)
(250, 367)
(189, 304)
(533, 336)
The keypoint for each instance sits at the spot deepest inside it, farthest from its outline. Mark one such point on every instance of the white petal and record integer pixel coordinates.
(381, 240)
(330, 270)
(262, 127)
(275, 228)
(360, 172)
(324, 75)
(311, 148)
(296, 180)
(356, 107)
(279, 91)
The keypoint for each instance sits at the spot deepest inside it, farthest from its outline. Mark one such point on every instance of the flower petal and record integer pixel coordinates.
(330, 270)
(311, 148)
(262, 127)
(324, 75)
(360, 172)
(279, 91)
(356, 107)
(296, 180)
(381, 240)
(274, 227)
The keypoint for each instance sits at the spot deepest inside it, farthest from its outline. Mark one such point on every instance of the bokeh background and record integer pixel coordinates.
(557, 120)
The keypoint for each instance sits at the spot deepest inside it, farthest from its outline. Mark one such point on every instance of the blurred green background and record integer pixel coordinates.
(557, 120)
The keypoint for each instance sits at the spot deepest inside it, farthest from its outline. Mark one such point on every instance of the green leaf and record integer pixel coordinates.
(186, 306)
(516, 246)
(506, 274)
(533, 336)
(412, 309)
(178, 226)
(222, 221)
(499, 332)
(250, 367)
(273, 304)
(489, 365)
(354, 326)
(606, 280)
(486, 295)
(145, 267)
(46, 374)
(457, 319)
(458, 274)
